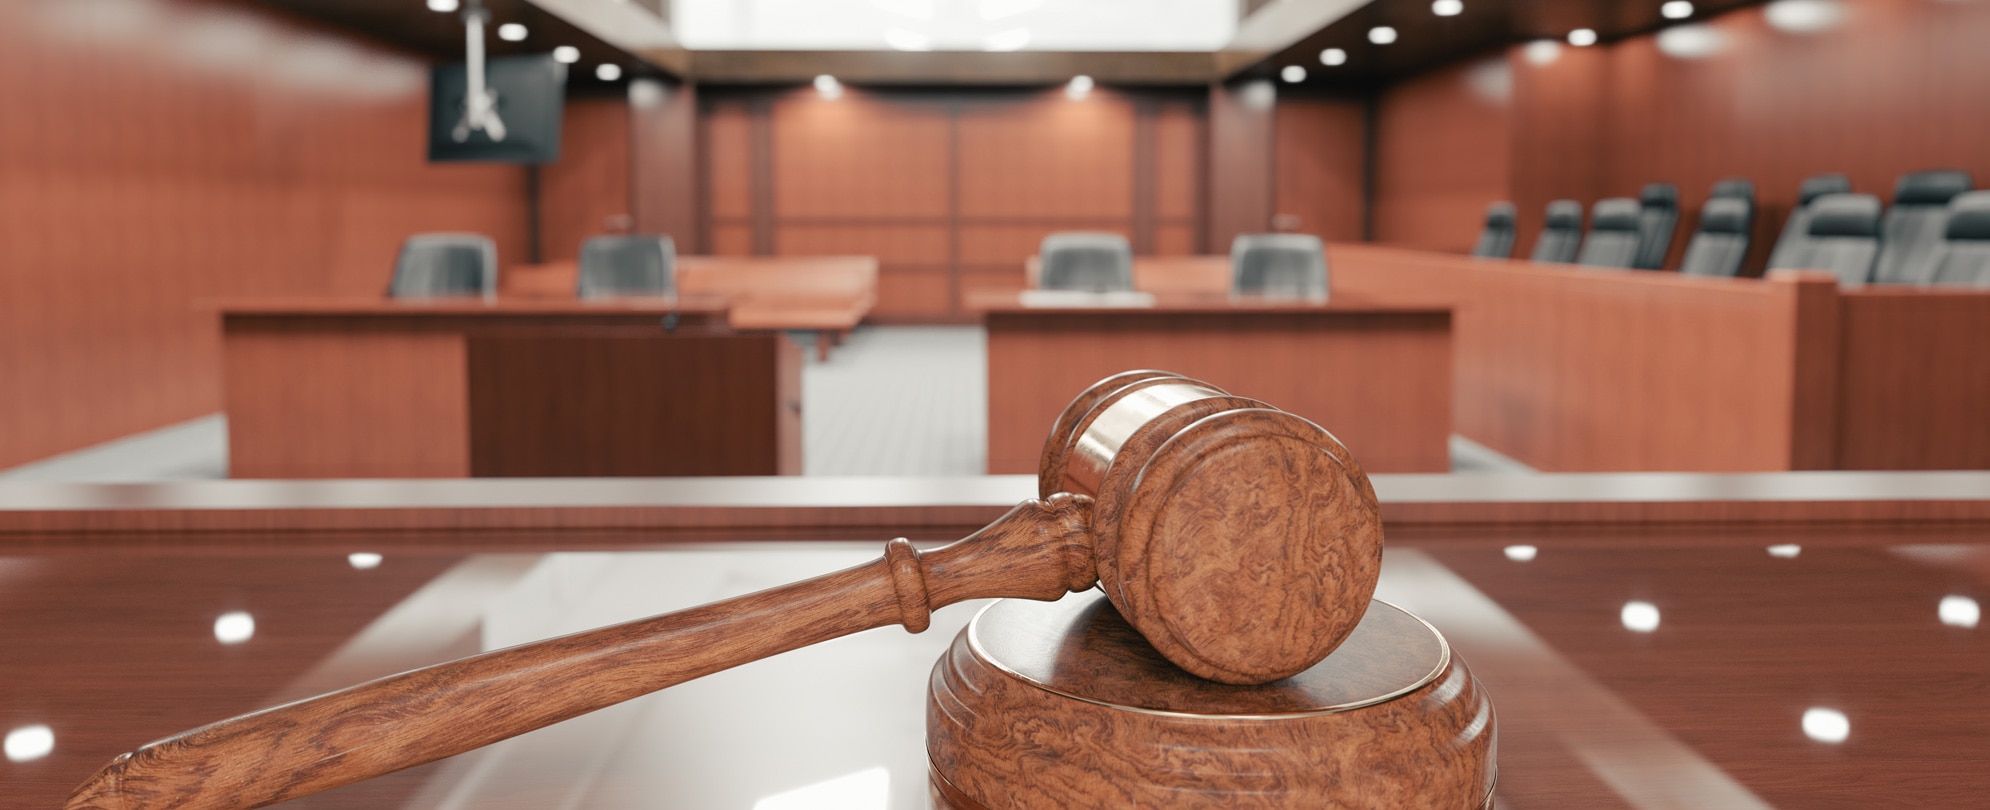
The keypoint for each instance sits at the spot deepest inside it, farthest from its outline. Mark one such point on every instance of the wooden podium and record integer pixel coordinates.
(1063, 704)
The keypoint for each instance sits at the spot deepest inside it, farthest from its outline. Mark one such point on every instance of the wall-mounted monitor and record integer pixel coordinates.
(531, 91)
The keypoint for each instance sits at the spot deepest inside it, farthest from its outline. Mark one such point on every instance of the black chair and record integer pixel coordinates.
(1740, 188)
(1613, 235)
(445, 265)
(1843, 239)
(1721, 240)
(1561, 233)
(1279, 265)
(1658, 217)
(1965, 252)
(1094, 262)
(1790, 244)
(627, 265)
(1911, 233)
(1496, 241)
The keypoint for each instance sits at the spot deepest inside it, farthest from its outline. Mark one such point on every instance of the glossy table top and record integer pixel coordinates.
(1833, 674)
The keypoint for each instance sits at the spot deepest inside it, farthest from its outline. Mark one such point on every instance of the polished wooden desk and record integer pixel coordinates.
(1377, 377)
(1575, 369)
(393, 389)
(111, 648)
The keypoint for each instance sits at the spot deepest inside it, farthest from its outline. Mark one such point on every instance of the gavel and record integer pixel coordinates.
(1242, 542)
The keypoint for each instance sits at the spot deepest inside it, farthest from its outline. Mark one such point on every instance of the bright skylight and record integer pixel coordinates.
(955, 25)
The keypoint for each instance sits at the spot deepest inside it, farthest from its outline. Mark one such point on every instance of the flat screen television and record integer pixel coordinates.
(531, 91)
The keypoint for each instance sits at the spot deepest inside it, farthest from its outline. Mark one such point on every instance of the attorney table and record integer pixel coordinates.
(1378, 376)
(456, 388)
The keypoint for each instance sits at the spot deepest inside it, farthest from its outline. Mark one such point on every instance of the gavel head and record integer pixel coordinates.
(1243, 542)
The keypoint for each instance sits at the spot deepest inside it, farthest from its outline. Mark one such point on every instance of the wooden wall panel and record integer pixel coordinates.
(1319, 148)
(590, 182)
(858, 157)
(1442, 153)
(1178, 161)
(891, 244)
(1240, 160)
(1915, 380)
(663, 158)
(728, 151)
(1047, 157)
(1556, 127)
(144, 172)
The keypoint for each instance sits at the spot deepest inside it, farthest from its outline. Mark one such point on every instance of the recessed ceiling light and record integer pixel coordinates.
(608, 72)
(1333, 57)
(1676, 9)
(1381, 35)
(1542, 51)
(1079, 87)
(1447, 8)
(1582, 37)
(511, 32)
(442, 5)
(566, 54)
(1292, 74)
(828, 87)
(1804, 16)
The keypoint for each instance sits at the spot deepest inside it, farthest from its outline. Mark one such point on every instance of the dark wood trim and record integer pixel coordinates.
(761, 150)
(1143, 176)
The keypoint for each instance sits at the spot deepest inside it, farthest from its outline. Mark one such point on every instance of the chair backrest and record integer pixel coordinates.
(1658, 217)
(1740, 188)
(1965, 254)
(445, 265)
(1561, 233)
(1496, 241)
(1098, 262)
(1279, 265)
(1911, 233)
(627, 265)
(1843, 239)
(1790, 245)
(1721, 240)
(1613, 234)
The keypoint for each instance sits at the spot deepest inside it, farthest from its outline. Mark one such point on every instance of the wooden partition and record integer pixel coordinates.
(1574, 369)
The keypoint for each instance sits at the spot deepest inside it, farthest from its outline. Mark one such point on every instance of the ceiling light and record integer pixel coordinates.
(363, 560)
(1676, 9)
(1381, 35)
(1292, 74)
(1785, 551)
(1333, 57)
(511, 32)
(1521, 553)
(1582, 37)
(29, 743)
(1448, 8)
(234, 627)
(902, 40)
(1960, 611)
(566, 54)
(1542, 51)
(1691, 41)
(1826, 725)
(444, 6)
(608, 72)
(828, 87)
(1640, 617)
(1804, 16)
(1011, 40)
(1079, 87)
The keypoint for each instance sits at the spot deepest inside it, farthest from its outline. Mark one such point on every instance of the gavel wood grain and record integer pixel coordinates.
(1039, 550)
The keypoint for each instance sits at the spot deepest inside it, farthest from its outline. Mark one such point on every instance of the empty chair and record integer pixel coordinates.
(1843, 238)
(1721, 240)
(627, 265)
(1095, 262)
(1613, 234)
(1658, 217)
(445, 265)
(1561, 233)
(1279, 265)
(1796, 229)
(1911, 233)
(1965, 252)
(1496, 241)
(1740, 188)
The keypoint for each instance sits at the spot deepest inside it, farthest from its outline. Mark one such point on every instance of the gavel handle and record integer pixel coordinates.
(1039, 550)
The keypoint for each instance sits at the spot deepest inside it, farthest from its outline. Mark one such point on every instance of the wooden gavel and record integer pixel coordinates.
(1243, 542)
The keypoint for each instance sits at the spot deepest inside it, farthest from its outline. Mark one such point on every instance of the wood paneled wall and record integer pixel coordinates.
(590, 184)
(1318, 179)
(156, 153)
(1442, 153)
(951, 192)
